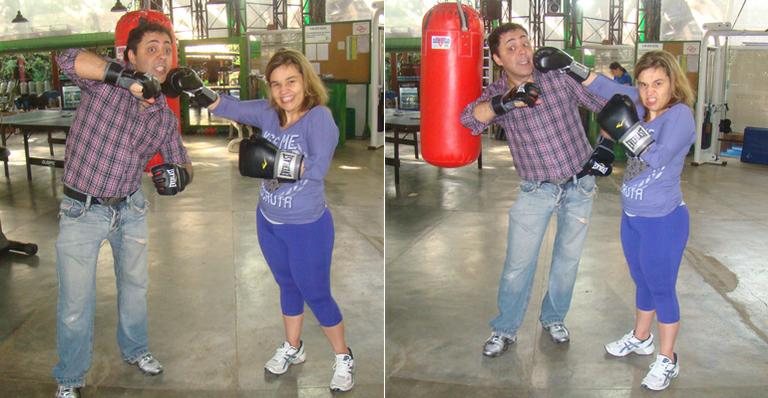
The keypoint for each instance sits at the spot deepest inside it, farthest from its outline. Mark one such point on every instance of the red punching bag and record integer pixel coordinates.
(451, 77)
(128, 22)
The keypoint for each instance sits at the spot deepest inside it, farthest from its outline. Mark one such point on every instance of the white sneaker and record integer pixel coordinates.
(67, 392)
(343, 372)
(148, 364)
(285, 356)
(661, 373)
(629, 344)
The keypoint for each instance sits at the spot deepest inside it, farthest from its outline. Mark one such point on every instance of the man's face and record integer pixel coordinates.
(515, 55)
(153, 55)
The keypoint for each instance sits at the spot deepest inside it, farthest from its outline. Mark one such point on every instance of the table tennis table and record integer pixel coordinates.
(45, 121)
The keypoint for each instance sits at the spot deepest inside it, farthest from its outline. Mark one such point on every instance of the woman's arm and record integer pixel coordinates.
(674, 136)
(321, 143)
(246, 112)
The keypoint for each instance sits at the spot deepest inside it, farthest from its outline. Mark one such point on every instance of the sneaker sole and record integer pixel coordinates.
(146, 373)
(495, 354)
(646, 351)
(150, 373)
(296, 362)
(674, 376)
(340, 389)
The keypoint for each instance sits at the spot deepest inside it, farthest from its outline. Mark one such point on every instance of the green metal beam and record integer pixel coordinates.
(38, 44)
(402, 44)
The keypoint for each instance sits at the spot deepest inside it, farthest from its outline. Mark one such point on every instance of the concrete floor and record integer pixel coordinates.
(445, 244)
(214, 316)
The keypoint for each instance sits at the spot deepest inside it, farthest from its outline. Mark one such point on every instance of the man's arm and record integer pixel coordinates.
(90, 66)
(483, 112)
(93, 67)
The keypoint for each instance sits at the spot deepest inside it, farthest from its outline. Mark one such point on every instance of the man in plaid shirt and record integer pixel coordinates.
(549, 149)
(122, 121)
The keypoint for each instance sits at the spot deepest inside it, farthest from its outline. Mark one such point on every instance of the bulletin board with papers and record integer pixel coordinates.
(340, 49)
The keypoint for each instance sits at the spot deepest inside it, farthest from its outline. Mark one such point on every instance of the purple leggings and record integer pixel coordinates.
(654, 248)
(299, 256)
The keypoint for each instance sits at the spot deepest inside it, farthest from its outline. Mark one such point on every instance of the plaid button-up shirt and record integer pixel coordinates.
(547, 141)
(112, 139)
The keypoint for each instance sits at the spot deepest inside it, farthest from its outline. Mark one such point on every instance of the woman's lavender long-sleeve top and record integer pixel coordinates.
(654, 191)
(315, 136)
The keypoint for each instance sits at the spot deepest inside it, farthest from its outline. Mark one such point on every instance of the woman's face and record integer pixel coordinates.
(286, 85)
(655, 89)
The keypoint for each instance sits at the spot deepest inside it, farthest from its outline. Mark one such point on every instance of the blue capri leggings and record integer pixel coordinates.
(299, 256)
(654, 248)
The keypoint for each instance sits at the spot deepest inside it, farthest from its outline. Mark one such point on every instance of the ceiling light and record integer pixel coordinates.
(19, 18)
(118, 7)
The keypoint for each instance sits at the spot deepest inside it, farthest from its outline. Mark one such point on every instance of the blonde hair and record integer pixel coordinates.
(681, 88)
(315, 92)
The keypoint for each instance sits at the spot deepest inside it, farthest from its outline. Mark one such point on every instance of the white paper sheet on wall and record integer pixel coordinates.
(363, 46)
(310, 50)
(322, 52)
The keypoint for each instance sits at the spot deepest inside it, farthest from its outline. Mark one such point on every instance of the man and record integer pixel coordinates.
(539, 113)
(121, 122)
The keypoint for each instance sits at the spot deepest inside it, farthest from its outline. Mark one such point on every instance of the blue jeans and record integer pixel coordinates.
(528, 220)
(83, 227)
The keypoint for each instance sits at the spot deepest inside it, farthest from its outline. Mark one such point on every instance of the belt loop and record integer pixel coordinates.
(88, 201)
(575, 180)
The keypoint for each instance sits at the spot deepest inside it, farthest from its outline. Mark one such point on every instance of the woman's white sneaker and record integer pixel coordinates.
(629, 344)
(343, 372)
(663, 370)
(285, 356)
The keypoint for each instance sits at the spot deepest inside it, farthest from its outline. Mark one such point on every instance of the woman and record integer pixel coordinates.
(655, 221)
(294, 225)
(620, 74)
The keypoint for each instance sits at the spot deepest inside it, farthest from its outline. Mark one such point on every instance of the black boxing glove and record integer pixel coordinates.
(260, 158)
(116, 75)
(549, 58)
(185, 80)
(619, 119)
(600, 164)
(524, 95)
(170, 179)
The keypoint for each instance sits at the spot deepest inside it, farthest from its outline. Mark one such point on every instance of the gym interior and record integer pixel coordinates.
(446, 227)
(214, 313)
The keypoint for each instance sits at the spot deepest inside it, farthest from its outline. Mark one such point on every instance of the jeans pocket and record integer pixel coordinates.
(587, 186)
(71, 208)
(138, 204)
(529, 186)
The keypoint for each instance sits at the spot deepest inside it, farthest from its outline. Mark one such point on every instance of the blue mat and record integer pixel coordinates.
(733, 152)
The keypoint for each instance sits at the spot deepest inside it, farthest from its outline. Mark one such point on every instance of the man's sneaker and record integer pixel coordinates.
(663, 370)
(285, 356)
(629, 343)
(67, 392)
(497, 344)
(343, 372)
(558, 332)
(148, 364)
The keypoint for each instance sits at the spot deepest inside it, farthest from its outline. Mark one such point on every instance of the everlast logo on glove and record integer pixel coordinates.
(601, 169)
(288, 166)
(169, 179)
(172, 179)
